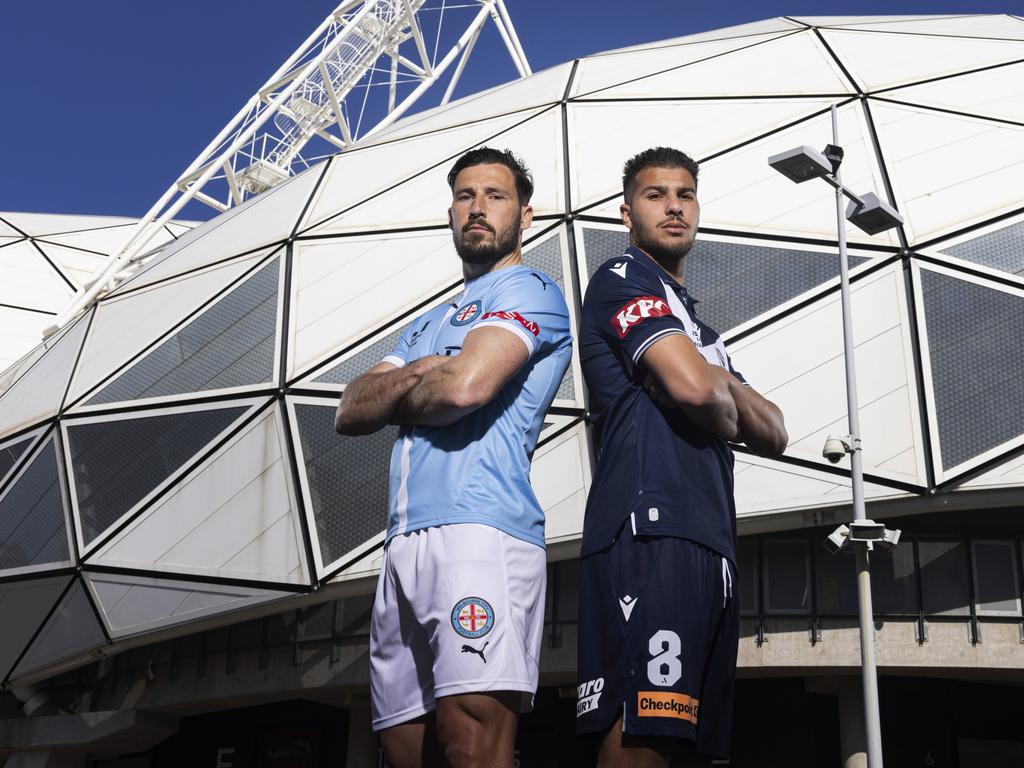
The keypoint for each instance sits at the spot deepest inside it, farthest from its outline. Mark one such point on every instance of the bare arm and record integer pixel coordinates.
(683, 378)
(761, 424)
(490, 356)
(369, 402)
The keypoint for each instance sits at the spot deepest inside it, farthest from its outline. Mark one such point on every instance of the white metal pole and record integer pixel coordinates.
(512, 33)
(869, 667)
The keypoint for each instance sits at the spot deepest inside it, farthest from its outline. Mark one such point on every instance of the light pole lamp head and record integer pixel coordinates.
(801, 164)
(872, 215)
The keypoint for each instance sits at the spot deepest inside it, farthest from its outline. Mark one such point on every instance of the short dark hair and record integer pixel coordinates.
(489, 156)
(655, 157)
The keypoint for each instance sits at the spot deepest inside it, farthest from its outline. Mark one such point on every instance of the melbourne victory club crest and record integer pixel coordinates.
(467, 313)
(472, 617)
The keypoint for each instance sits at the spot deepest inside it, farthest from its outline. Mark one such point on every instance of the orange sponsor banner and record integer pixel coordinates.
(667, 704)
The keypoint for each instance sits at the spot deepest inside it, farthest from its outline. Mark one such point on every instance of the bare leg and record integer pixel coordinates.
(478, 730)
(413, 744)
(622, 750)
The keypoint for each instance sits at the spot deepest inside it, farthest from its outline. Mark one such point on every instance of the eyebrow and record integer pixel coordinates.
(663, 189)
(487, 190)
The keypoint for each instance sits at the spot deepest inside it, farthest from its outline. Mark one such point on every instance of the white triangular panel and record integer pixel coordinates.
(180, 228)
(752, 29)
(857, 21)
(366, 567)
(38, 393)
(132, 605)
(20, 329)
(763, 486)
(560, 476)
(125, 325)
(71, 630)
(105, 240)
(424, 200)
(6, 230)
(267, 218)
(739, 190)
(996, 26)
(43, 224)
(617, 72)
(940, 191)
(233, 517)
(997, 93)
(886, 60)
(29, 281)
(345, 287)
(541, 89)
(77, 266)
(605, 134)
(362, 173)
(794, 64)
(809, 385)
(1005, 475)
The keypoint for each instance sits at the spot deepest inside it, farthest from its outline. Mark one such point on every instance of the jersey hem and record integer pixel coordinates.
(438, 522)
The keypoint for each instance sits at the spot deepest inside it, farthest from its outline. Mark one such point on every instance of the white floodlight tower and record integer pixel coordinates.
(306, 100)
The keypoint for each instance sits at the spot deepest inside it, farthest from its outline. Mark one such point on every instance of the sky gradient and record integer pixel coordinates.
(106, 102)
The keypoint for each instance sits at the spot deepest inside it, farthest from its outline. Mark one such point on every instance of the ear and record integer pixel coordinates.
(525, 217)
(626, 215)
(451, 221)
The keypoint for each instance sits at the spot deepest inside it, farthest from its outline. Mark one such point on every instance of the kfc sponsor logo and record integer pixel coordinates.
(587, 696)
(664, 704)
(529, 325)
(638, 310)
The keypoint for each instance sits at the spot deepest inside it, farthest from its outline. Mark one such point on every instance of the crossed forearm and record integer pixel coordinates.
(760, 422)
(370, 402)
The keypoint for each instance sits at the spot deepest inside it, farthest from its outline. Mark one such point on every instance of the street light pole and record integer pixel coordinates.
(869, 667)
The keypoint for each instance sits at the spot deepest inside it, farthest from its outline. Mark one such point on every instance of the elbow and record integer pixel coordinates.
(708, 394)
(468, 395)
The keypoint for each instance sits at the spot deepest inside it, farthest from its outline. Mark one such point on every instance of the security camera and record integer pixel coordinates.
(835, 448)
(836, 541)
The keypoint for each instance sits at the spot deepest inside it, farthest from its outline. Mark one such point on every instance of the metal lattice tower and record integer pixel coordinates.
(319, 100)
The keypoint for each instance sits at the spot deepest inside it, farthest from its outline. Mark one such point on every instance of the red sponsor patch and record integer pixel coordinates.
(636, 311)
(529, 325)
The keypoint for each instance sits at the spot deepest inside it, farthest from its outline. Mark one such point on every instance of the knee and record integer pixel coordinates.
(465, 745)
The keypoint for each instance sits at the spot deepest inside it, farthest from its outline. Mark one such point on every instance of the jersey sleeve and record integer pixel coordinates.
(399, 356)
(629, 308)
(530, 305)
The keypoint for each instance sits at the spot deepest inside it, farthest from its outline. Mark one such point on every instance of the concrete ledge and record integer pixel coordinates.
(115, 732)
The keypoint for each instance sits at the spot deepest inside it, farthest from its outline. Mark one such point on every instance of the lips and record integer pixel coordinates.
(477, 228)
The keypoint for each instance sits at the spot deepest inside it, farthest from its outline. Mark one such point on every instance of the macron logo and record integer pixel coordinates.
(638, 310)
(619, 269)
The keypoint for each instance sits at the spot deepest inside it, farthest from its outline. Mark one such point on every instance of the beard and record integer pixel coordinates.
(483, 250)
(666, 250)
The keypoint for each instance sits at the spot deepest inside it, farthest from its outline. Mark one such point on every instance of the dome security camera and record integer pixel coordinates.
(835, 448)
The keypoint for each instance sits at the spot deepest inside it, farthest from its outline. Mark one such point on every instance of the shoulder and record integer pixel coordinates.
(531, 286)
(624, 277)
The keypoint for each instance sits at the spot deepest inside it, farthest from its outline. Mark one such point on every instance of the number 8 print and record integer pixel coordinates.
(664, 668)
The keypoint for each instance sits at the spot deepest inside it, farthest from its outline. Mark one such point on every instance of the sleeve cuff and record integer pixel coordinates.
(644, 345)
(524, 336)
(395, 360)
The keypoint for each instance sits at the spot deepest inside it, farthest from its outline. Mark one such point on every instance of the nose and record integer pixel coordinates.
(673, 204)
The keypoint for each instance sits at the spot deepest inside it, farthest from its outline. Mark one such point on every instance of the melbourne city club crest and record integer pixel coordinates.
(467, 313)
(472, 617)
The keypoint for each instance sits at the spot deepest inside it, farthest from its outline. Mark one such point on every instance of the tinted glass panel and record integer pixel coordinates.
(32, 523)
(9, 456)
(893, 580)
(786, 575)
(746, 567)
(1002, 249)
(944, 577)
(995, 577)
(117, 463)
(836, 581)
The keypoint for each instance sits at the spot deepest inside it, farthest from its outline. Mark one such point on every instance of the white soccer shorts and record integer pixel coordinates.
(459, 609)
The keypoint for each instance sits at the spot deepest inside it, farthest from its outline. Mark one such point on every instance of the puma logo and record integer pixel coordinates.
(480, 653)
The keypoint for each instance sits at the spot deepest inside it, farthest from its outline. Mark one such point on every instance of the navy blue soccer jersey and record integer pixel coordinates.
(656, 468)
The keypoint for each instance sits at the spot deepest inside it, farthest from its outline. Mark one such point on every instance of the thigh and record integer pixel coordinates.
(478, 728)
(487, 619)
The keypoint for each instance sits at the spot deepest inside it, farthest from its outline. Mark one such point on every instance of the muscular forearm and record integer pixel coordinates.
(437, 400)
(760, 422)
(716, 414)
(369, 402)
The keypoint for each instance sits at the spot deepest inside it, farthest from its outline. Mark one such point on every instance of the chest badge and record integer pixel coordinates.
(467, 313)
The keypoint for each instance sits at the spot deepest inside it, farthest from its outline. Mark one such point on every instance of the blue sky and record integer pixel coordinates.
(105, 102)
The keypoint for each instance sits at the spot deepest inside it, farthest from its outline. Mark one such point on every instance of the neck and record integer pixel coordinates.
(671, 263)
(470, 271)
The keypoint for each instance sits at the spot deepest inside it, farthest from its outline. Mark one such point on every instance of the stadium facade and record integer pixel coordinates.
(188, 551)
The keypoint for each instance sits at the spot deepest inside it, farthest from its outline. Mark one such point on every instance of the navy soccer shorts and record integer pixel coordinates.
(658, 634)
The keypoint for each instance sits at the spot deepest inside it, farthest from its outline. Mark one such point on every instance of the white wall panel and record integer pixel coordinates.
(234, 517)
(798, 364)
(996, 26)
(739, 190)
(884, 60)
(752, 29)
(344, 288)
(39, 391)
(125, 325)
(105, 240)
(560, 476)
(940, 189)
(604, 135)
(546, 87)
(135, 604)
(597, 76)
(793, 64)
(424, 200)
(764, 486)
(858, 21)
(995, 93)
(362, 173)
(42, 224)
(20, 330)
(76, 265)
(29, 281)
(1005, 475)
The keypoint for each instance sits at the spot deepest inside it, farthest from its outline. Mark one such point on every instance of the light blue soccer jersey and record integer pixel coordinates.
(477, 470)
